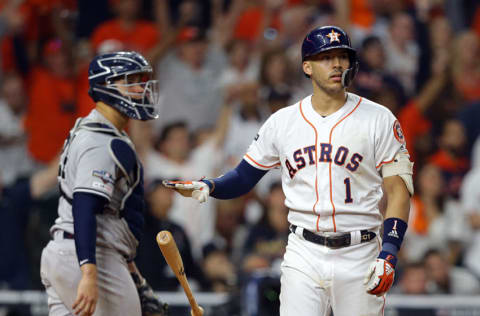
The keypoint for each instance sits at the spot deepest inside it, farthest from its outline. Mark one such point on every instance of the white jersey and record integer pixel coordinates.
(87, 166)
(331, 166)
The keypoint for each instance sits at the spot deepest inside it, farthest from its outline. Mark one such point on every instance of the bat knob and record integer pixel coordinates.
(164, 237)
(197, 311)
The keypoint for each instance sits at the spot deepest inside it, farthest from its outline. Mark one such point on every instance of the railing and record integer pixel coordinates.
(411, 305)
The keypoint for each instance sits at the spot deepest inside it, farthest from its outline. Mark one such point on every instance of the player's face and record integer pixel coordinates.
(131, 84)
(326, 69)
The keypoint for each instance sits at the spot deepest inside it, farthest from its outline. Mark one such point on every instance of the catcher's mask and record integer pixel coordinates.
(124, 81)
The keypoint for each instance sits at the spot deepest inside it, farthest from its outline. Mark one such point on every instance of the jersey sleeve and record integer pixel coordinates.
(389, 140)
(262, 153)
(95, 172)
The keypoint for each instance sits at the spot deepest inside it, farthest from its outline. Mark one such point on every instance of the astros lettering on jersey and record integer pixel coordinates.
(328, 171)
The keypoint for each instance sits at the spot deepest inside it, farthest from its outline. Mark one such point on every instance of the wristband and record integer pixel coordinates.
(393, 232)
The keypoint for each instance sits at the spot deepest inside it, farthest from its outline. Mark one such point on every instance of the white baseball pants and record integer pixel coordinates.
(316, 278)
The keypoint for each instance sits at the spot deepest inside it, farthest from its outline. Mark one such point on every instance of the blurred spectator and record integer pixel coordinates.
(372, 79)
(402, 52)
(126, 28)
(16, 201)
(299, 19)
(149, 259)
(275, 71)
(246, 119)
(14, 158)
(219, 270)
(451, 157)
(51, 111)
(28, 24)
(277, 99)
(258, 18)
(242, 69)
(414, 117)
(188, 78)
(426, 208)
(413, 280)
(446, 279)
(435, 221)
(176, 158)
(466, 65)
(230, 234)
(268, 238)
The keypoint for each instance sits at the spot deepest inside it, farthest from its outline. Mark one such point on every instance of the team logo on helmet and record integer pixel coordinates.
(397, 131)
(333, 36)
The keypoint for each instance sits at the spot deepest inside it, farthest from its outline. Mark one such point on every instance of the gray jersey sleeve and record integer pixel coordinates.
(95, 172)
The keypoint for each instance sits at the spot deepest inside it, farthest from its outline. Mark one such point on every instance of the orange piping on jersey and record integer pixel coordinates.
(263, 166)
(330, 164)
(316, 151)
(384, 163)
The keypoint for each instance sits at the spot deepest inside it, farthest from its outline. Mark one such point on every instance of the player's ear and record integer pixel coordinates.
(307, 67)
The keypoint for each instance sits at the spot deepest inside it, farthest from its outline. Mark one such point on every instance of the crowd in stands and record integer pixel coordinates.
(224, 66)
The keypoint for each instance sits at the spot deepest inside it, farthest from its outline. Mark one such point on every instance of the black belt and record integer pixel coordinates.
(334, 242)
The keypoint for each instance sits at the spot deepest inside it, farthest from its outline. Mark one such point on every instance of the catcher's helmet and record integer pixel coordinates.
(325, 38)
(105, 69)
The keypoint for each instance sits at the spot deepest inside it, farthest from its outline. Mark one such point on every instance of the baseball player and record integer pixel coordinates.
(338, 154)
(87, 268)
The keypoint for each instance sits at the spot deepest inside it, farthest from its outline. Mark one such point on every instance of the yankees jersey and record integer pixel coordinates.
(86, 165)
(330, 166)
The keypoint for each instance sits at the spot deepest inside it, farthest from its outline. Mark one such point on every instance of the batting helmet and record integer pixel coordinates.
(325, 38)
(106, 69)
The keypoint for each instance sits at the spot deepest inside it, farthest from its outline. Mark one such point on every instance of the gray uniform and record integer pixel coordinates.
(87, 165)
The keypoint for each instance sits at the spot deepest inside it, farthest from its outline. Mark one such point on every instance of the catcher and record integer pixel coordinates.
(87, 268)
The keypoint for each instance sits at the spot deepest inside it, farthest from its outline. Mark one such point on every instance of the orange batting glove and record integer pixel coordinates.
(379, 277)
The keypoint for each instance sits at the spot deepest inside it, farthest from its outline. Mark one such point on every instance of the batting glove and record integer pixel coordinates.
(379, 278)
(195, 189)
(150, 304)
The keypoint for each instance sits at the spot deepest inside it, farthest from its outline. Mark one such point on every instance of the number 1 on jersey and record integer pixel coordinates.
(348, 191)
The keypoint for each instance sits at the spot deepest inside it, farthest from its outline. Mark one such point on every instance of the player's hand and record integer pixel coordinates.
(379, 278)
(87, 292)
(195, 189)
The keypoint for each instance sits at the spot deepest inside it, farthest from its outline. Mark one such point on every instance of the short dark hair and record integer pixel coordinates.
(169, 128)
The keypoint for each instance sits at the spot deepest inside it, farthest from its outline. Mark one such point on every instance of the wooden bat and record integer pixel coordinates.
(169, 249)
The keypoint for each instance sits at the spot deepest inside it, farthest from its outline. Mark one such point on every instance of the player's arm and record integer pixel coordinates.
(234, 183)
(84, 207)
(398, 186)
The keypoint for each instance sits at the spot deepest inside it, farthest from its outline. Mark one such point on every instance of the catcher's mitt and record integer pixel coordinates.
(151, 305)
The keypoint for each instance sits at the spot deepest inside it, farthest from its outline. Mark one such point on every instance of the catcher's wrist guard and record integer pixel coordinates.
(151, 306)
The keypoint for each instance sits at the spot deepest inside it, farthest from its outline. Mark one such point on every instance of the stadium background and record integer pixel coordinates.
(223, 67)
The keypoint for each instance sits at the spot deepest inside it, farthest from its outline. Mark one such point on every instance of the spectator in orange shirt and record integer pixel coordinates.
(413, 117)
(52, 110)
(256, 17)
(126, 28)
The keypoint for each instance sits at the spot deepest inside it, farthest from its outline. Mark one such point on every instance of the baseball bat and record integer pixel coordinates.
(169, 249)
